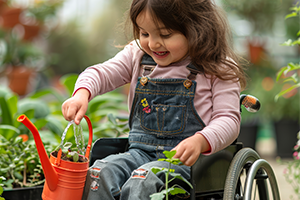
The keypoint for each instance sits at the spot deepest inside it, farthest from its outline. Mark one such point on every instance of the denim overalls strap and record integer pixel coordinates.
(163, 112)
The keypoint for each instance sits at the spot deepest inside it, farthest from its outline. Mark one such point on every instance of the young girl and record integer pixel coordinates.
(189, 102)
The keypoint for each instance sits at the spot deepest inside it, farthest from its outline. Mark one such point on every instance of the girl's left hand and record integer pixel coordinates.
(188, 150)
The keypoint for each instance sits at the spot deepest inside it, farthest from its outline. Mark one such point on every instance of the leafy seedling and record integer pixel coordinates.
(169, 172)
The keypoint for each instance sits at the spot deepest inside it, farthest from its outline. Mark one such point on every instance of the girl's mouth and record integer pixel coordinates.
(161, 54)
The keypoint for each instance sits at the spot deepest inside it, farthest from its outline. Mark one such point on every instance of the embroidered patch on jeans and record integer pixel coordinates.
(146, 106)
(139, 173)
(94, 186)
(95, 172)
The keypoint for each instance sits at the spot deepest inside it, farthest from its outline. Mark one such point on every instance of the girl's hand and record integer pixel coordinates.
(75, 107)
(188, 150)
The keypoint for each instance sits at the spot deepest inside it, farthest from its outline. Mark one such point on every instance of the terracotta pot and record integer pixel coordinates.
(10, 17)
(256, 51)
(18, 79)
(30, 31)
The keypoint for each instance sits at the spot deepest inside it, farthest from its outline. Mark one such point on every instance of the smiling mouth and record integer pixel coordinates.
(162, 53)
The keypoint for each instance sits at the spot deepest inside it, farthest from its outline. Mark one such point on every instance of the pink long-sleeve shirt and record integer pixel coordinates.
(216, 100)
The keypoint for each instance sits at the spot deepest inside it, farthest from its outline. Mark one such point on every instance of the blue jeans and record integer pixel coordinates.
(106, 176)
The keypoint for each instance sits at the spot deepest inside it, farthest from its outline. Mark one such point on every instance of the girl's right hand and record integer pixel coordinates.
(75, 107)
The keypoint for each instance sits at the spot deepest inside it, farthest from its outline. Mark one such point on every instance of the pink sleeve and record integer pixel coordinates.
(101, 78)
(224, 124)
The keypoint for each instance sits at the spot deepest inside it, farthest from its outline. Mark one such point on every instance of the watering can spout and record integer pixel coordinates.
(50, 173)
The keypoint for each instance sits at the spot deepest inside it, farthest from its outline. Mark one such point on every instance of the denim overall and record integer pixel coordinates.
(162, 115)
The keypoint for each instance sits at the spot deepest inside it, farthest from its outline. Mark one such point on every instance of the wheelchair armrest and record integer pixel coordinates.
(106, 146)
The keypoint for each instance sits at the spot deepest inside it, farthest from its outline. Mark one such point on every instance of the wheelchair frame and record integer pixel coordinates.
(217, 176)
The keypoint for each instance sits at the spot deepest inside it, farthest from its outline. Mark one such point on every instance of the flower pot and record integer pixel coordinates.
(248, 134)
(10, 17)
(30, 31)
(29, 193)
(256, 50)
(19, 78)
(286, 137)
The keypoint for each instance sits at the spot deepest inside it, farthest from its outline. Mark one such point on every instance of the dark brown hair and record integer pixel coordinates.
(204, 25)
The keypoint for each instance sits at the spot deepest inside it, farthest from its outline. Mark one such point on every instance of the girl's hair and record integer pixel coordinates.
(206, 28)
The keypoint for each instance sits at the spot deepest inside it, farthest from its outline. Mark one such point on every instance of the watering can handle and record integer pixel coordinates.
(88, 148)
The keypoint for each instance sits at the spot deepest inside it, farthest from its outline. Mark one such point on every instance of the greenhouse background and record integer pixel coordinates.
(52, 41)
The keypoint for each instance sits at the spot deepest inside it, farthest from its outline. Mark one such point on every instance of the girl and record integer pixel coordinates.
(189, 102)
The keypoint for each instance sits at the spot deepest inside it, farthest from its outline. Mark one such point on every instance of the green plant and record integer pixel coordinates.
(169, 172)
(1, 188)
(289, 74)
(285, 72)
(19, 162)
(16, 52)
(44, 9)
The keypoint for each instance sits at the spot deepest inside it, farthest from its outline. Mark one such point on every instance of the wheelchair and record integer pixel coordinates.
(234, 173)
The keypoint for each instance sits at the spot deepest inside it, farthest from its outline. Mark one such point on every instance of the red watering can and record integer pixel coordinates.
(64, 179)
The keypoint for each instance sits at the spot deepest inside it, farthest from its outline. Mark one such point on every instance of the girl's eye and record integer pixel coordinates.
(144, 34)
(166, 35)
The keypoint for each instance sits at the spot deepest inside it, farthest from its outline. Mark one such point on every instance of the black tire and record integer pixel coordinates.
(234, 185)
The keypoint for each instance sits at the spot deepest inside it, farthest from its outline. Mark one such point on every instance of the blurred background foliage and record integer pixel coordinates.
(74, 34)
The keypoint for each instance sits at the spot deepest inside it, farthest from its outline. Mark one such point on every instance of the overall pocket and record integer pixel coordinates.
(164, 119)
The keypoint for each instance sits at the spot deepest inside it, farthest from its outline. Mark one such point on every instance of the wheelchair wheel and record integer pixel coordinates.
(248, 170)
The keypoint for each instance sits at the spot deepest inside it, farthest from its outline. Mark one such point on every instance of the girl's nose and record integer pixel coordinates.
(154, 43)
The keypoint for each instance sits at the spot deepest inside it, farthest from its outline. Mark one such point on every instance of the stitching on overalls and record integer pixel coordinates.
(183, 114)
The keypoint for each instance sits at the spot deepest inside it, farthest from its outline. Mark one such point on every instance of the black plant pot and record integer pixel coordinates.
(28, 193)
(286, 137)
(248, 134)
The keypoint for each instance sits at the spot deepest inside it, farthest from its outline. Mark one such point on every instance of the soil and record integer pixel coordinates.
(64, 157)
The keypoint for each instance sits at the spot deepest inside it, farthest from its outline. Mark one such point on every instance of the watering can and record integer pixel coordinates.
(64, 179)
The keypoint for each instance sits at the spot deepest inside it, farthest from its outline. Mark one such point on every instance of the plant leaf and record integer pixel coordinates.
(177, 175)
(48, 91)
(155, 170)
(169, 154)
(177, 191)
(286, 91)
(69, 81)
(157, 196)
(67, 145)
(287, 43)
(8, 131)
(293, 14)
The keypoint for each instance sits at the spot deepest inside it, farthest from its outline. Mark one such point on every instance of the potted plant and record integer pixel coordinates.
(10, 16)
(37, 15)
(262, 16)
(44, 10)
(19, 62)
(289, 75)
(20, 167)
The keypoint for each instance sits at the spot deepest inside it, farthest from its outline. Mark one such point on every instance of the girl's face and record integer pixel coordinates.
(163, 45)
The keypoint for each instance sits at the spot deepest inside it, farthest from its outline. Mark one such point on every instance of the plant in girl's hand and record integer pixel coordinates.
(169, 172)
